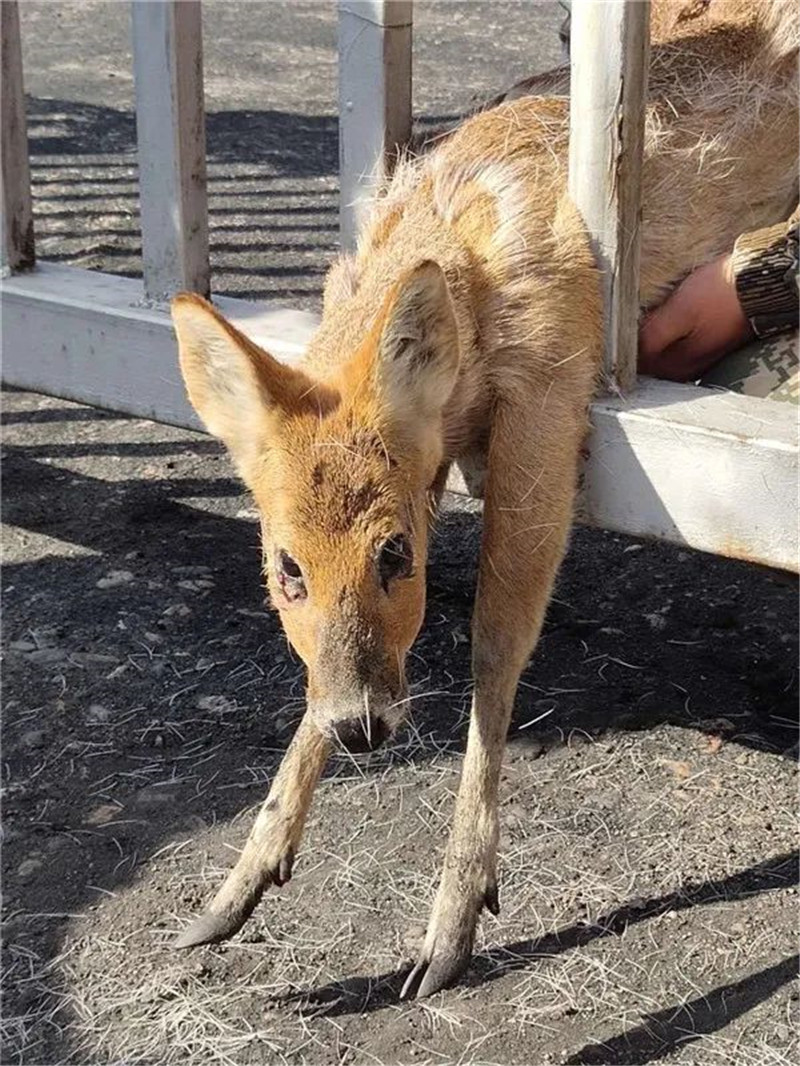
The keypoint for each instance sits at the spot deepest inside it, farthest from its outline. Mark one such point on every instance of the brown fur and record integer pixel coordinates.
(469, 321)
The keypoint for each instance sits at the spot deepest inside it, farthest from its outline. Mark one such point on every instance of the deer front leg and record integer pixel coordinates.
(271, 847)
(469, 880)
(527, 512)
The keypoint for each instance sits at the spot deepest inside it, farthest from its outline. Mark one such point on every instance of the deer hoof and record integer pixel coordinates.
(209, 928)
(434, 974)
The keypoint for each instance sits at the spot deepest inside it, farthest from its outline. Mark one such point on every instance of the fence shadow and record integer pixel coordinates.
(684, 1023)
(273, 176)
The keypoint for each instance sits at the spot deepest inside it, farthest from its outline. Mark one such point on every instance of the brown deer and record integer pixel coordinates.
(468, 323)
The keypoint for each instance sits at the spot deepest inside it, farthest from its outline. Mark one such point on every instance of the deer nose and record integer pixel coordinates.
(365, 733)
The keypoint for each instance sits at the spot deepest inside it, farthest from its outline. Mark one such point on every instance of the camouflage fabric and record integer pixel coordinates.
(767, 367)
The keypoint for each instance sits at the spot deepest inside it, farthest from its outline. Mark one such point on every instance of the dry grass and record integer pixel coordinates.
(573, 853)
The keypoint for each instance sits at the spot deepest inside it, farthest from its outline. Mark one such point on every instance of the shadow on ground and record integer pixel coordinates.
(273, 194)
(369, 994)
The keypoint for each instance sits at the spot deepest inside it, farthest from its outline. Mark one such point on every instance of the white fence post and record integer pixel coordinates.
(374, 100)
(16, 219)
(170, 130)
(610, 51)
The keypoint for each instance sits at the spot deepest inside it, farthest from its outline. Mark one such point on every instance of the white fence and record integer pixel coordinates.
(714, 471)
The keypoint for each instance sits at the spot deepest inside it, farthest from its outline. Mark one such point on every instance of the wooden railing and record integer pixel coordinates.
(609, 56)
(16, 221)
(713, 471)
(171, 143)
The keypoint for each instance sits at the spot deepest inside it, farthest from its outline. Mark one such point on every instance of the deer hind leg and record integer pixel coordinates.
(530, 486)
(270, 849)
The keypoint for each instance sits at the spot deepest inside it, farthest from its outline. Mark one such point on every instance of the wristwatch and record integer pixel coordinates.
(765, 269)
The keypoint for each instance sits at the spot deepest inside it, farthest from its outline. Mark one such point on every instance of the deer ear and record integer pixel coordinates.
(418, 352)
(235, 387)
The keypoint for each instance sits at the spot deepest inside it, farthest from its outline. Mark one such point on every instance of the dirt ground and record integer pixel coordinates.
(649, 838)
(648, 868)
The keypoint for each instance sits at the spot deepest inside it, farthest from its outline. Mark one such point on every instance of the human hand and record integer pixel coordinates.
(701, 321)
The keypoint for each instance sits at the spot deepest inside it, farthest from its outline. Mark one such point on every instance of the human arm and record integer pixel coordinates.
(752, 291)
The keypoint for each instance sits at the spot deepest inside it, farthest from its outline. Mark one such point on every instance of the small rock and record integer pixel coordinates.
(22, 645)
(103, 814)
(156, 795)
(196, 585)
(216, 704)
(154, 638)
(91, 658)
(34, 738)
(28, 867)
(114, 578)
(200, 968)
(179, 610)
(98, 713)
(45, 656)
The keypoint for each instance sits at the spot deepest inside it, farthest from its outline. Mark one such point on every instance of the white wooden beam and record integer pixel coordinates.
(711, 470)
(170, 130)
(16, 218)
(374, 100)
(610, 50)
(91, 337)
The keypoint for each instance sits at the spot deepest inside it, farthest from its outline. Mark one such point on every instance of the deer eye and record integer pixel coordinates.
(290, 577)
(395, 559)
